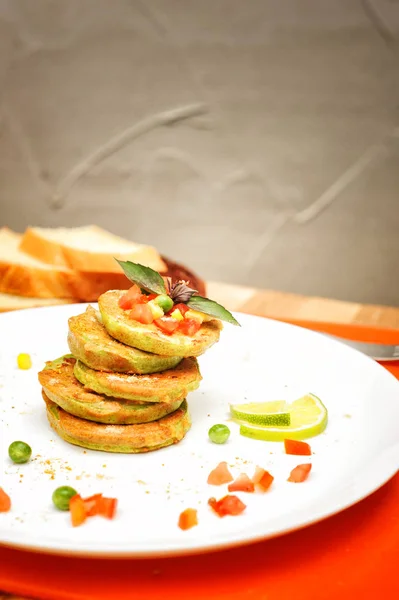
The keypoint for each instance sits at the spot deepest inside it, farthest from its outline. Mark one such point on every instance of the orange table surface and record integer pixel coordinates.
(352, 554)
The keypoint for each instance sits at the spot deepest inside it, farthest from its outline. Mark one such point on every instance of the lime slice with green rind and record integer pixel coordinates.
(262, 413)
(309, 418)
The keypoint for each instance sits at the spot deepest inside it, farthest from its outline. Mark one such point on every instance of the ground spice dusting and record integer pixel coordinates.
(53, 466)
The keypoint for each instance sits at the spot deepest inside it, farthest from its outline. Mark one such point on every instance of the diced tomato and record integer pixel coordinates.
(300, 473)
(242, 484)
(124, 302)
(5, 501)
(262, 478)
(130, 298)
(188, 518)
(77, 510)
(107, 507)
(141, 313)
(182, 307)
(229, 505)
(259, 472)
(92, 504)
(220, 475)
(144, 298)
(167, 324)
(189, 326)
(297, 448)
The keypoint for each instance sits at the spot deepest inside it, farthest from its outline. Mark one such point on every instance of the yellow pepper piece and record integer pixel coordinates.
(24, 361)
(176, 314)
(156, 310)
(195, 314)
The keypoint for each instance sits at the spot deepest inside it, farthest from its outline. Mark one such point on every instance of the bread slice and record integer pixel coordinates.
(88, 248)
(10, 302)
(23, 275)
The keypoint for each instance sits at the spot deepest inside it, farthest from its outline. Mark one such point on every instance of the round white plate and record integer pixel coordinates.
(262, 360)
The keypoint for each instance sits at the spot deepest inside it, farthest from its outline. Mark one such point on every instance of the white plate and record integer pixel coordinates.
(262, 360)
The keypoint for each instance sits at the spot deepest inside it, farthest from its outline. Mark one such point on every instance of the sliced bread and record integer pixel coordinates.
(23, 275)
(11, 302)
(89, 249)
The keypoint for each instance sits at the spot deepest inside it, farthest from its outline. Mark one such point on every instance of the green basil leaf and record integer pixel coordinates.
(146, 278)
(211, 308)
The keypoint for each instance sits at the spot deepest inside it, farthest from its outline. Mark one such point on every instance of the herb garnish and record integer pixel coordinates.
(152, 282)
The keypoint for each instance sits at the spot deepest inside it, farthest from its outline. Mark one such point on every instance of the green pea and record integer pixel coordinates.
(19, 452)
(164, 301)
(62, 496)
(219, 434)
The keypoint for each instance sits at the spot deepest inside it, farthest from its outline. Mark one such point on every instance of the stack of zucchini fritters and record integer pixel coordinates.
(124, 387)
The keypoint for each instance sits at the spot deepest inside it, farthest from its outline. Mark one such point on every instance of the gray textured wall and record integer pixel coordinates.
(256, 140)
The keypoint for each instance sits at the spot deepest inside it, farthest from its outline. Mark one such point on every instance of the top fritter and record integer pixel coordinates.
(157, 316)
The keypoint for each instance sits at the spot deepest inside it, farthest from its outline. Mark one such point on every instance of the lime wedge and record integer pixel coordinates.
(262, 413)
(308, 418)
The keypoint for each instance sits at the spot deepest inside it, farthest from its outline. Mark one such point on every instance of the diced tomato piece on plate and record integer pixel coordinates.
(296, 447)
(300, 473)
(107, 507)
(229, 505)
(130, 298)
(262, 478)
(78, 510)
(242, 484)
(182, 307)
(188, 518)
(220, 475)
(167, 324)
(259, 472)
(5, 501)
(141, 313)
(189, 326)
(92, 504)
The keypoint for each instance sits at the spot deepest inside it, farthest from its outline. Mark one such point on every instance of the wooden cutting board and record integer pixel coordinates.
(280, 305)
